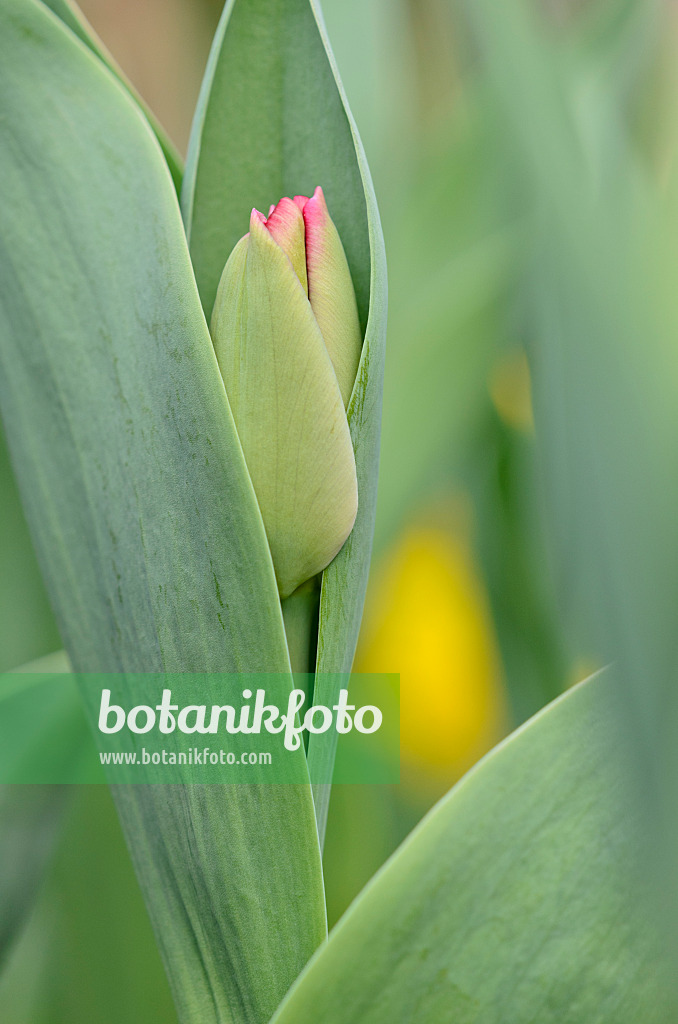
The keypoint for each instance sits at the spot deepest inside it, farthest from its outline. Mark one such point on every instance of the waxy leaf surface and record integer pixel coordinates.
(517, 899)
(139, 502)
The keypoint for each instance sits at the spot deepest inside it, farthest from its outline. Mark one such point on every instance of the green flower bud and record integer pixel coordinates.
(287, 339)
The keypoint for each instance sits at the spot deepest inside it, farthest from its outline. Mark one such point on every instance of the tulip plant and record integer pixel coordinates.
(193, 413)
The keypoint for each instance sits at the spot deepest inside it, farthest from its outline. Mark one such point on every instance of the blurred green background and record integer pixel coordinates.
(525, 167)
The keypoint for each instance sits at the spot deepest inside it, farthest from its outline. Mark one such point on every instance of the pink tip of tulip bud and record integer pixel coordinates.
(285, 224)
(303, 229)
(283, 220)
(315, 212)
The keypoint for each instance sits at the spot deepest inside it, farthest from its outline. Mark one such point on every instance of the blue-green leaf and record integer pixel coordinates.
(517, 899)
(140, 505)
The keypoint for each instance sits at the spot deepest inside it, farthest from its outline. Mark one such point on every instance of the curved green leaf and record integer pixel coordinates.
(345, 579)
(71, 15)
(30, 822)
(272, 120)
(139, 502)
(517, 899)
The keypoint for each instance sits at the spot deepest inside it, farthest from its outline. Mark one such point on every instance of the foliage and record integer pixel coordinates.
(533, 209)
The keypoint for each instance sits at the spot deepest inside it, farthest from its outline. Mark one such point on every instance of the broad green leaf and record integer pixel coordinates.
(140, 506)
(272, 120)
(71, 15)
(30, 822)
(517, 899)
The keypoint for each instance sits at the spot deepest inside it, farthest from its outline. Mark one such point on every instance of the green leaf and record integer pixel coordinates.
(27, 626)
(272, 120)
(71, 15)
(516, 899)
(30, 822)
(139, 502)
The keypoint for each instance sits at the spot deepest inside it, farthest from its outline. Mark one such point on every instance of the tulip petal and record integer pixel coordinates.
(287, 408)
(331, 292)
(286, 225)
(228, 313)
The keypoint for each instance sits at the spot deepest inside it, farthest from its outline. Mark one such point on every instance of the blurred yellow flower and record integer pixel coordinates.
(427, 618)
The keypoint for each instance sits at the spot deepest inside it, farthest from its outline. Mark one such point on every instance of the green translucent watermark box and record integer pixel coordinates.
(199, 728)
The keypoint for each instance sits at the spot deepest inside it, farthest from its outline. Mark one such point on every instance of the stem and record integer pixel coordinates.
(300, 612)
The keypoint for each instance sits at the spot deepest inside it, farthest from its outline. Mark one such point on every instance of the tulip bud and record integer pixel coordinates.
(287, 339)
